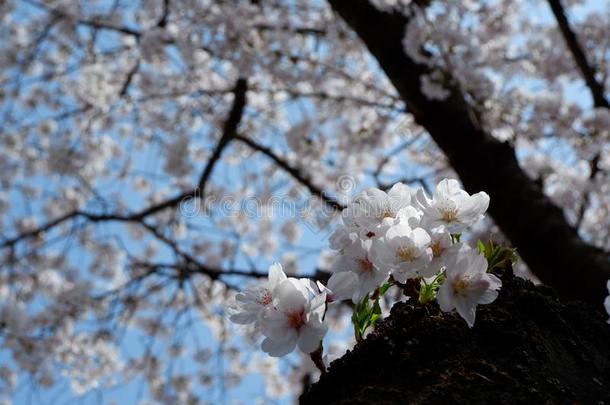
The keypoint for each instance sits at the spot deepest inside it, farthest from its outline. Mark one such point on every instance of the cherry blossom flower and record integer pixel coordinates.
(467, 283)
(452, 207)
(341, 237)
(440, 242)
(355, 258)
(404, 250)
(340, 286)
(373, 207)
(293, 320)
(251, 303)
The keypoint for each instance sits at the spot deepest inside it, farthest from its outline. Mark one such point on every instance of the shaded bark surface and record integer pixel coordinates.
(526, 347)
(537, 227)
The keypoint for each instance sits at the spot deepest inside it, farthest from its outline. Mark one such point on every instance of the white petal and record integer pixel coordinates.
(290, 296)
(342, 264)
(447, 188)
(488, 297)
(278, 348)
(472, 208)
(398, 231)
(458, 259)
(310, 336)
(400, 194)
(317, 305)
(476, 289)
(445, 297)
(380, 254)
(243, 317)
(245, 297)
(421, 238)
(342, 285)
(310, 286)
(340, 238)
(466, 308)
(410, 215)
(274, 324)
(422, 264)
(494, 282)
(476, 262)
(422, 199)
(402, 275)
(276, 275)
(367, 282)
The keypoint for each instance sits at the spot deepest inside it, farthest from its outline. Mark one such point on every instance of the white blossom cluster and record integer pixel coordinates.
(398, 236)
(404, 234)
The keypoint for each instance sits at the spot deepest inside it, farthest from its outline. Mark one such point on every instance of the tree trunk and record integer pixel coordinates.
(526, 347)
(544, 239)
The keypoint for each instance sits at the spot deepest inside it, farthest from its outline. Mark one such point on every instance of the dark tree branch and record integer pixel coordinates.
(297, 30)
(228, 132)
(587, 71)
(106, 26)
(165, 16)
(545, 240)
(97, 24)
(7, 243)
(594, 165)
(293, 171)
(129, 78)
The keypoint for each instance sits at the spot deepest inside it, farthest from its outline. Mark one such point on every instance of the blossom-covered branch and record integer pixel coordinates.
(585, 67)
(294, 172)
(548, 244)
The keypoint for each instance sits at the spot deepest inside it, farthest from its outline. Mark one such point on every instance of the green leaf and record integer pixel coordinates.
(427, 292)
(498, 257)
(366, 315)
(384, 288)
(376, 308)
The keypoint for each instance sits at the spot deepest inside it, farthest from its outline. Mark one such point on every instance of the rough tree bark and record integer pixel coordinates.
(525, 348)
(538, 228)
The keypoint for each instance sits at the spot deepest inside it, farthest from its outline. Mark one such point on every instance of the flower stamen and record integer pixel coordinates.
(296, 320)
(365, 265)
(265, 298)
(406, 254)
(460, 285)
(437, 248)
(449, 214)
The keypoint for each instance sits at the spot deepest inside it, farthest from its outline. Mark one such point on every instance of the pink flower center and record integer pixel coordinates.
(449, 214)
(365, 264)
(406, 254)
(460, 285)
(266, 298)
(437, 248)
(296, 320)
(387, 213)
